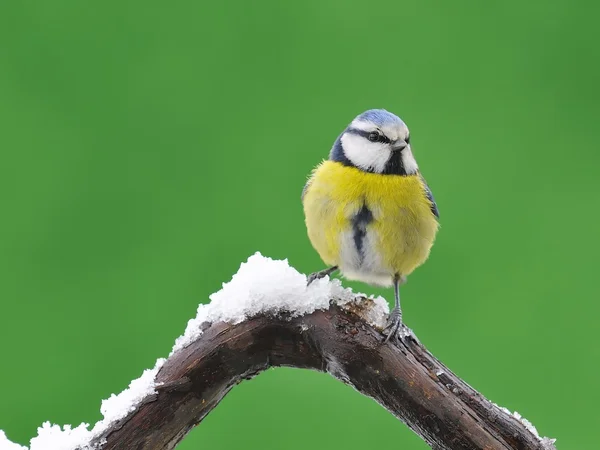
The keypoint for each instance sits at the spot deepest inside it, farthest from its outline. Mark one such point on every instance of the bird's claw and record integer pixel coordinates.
(395, 326)
(322, 273)
(312, 277)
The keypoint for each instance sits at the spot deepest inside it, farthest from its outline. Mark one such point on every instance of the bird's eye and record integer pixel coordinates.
(374, 136)
(407, 140)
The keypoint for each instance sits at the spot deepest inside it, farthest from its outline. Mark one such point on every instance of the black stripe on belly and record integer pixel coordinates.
(359, 228)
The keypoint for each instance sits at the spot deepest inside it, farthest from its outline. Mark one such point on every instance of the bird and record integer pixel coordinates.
(368, 210)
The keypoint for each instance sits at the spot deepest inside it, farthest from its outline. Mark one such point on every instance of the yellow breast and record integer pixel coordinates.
(393, 235)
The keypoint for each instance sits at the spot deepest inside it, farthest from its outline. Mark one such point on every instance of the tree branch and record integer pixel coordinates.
(403, 377)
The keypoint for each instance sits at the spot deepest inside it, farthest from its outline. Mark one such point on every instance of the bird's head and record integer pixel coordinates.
(376, 141)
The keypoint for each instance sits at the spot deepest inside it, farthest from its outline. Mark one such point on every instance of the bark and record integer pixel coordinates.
(402, 376)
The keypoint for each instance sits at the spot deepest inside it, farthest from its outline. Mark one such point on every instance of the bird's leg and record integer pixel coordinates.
(394, 323)
(316, 275)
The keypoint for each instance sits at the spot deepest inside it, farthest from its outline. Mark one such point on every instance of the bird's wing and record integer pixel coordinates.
(429, 195)
(305, 188)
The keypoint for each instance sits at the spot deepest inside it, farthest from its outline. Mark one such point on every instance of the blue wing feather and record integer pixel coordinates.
(305, 188)
(429, 195)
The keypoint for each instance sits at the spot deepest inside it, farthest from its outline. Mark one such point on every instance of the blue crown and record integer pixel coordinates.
(380, 117)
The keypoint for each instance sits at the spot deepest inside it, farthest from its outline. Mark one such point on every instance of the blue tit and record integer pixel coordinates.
(369, 212)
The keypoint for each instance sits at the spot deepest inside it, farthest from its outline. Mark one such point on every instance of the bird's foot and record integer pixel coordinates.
(320, 274)
(395, 327)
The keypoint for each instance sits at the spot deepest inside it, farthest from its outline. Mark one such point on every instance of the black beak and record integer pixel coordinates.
(399, 145)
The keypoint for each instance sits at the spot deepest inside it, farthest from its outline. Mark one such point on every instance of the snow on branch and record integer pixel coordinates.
(266, 316)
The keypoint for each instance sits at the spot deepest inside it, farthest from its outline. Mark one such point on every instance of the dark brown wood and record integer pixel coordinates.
(402, 376)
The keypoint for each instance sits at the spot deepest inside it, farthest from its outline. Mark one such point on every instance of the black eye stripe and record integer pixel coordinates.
(381, 138)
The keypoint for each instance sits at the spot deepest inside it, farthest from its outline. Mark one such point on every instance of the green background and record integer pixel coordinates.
(147, 148)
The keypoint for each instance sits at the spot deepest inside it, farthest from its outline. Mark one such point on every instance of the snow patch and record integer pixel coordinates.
(547, 442)
(264, 285)
(5, 444)
(117, 407)
(55, 437)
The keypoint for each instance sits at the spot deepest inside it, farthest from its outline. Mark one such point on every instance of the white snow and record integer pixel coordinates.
(118, 406)
(527, 424)
(533, 430)
(262, 285)
(55, 437)
(265, 285)
(548, 442)
(5, 444)
(502, 408)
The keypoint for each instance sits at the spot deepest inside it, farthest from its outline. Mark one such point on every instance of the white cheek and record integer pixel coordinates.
(409, 161)
(364, 154)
